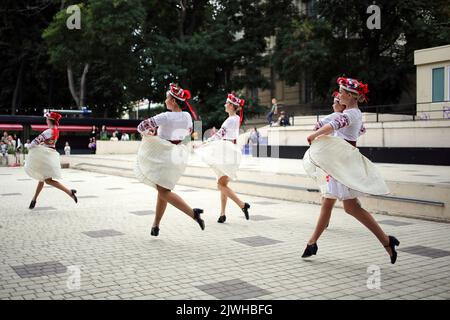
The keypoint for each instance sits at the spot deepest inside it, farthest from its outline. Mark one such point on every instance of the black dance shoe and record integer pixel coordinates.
(311, 249)
(392, 243)
(245, 210)
(32, 204)
(197, 218)
(74, 196)
(155, 231)
(222, 219)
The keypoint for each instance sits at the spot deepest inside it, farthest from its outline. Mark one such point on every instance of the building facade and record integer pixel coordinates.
(433, 82)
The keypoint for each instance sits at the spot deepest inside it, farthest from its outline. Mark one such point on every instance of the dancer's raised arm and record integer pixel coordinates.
(325, 130)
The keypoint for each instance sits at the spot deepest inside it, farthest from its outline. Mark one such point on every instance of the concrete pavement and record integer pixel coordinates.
(101, 248)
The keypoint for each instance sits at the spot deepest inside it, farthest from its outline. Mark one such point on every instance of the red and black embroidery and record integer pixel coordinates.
(148, 124)
(340, 122)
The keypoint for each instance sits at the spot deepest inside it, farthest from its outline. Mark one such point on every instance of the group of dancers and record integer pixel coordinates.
(333, 160)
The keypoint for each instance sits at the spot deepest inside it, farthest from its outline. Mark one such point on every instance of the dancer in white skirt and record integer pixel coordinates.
(338, 109)
(350, 174)
(223, 155)
(162, 157)
(43, 162)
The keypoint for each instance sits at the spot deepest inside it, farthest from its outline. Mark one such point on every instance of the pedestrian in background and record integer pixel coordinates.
(273, 111)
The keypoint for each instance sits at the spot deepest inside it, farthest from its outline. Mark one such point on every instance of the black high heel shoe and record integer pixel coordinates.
(245, 210)
(311, 249)
(392, 243)
(155, 231)
(74, 196)
(197, 218)
(222, 219)
(32, 204)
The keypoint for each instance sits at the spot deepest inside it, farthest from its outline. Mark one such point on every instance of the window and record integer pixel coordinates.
(438, 85)
(448, 83)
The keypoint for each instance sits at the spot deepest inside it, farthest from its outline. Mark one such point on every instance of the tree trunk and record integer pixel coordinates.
(50, 90)
(18, 87)
(182, 17)
(83, 85)
(71, 86)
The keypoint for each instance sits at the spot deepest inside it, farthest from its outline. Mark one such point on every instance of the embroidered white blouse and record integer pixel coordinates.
(229, 129)
(45, 138)
(347, 124)
(170, 125)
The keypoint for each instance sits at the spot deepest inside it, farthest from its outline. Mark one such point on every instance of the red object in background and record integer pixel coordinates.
(12, 127)
(66, 128)
(42, 127)
(122, 129)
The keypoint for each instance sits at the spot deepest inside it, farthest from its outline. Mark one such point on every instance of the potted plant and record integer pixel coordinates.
(11, 156)
(104, 136)
(23, 152)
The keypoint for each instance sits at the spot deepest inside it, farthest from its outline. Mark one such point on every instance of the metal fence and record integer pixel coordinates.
(386, 113)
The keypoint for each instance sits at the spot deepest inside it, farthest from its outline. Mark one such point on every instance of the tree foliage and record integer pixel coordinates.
(337, 41)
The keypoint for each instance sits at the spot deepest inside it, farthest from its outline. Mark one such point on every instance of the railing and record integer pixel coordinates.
(382, 113)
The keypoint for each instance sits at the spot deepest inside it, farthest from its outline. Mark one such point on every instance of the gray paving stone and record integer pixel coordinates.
(39, 269)
(43, 209)
(394, 223)
(103, 233)
(257, 241)
(233, 289)
(426, 251)
(143, 212)
(259, 217)
(265, 202)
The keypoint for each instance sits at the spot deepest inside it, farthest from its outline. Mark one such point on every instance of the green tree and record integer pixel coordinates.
(337, 41)
(210, 47)
(104, 45)
(28, 82)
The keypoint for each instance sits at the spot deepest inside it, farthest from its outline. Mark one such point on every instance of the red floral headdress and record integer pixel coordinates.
(183, 95)
(354, 86)
(53, 116)
(231, 98)
(336, 96)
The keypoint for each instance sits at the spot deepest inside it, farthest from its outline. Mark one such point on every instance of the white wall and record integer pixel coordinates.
(117, 147)
(413, 134)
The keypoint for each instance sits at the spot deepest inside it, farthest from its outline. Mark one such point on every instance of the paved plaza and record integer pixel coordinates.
(101, 248)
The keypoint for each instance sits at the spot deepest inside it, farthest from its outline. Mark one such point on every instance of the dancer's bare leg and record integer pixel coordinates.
(161, 206)
(353, 207)
(175, 200)
(59, 186)
(223, 202)
(324, 219)
(224, 189)
(38, 190)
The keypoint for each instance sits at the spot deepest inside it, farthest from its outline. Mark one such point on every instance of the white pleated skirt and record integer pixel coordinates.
(160, 162)
(43, 163)
(341, 171)
(223, 157)
(333, 189)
